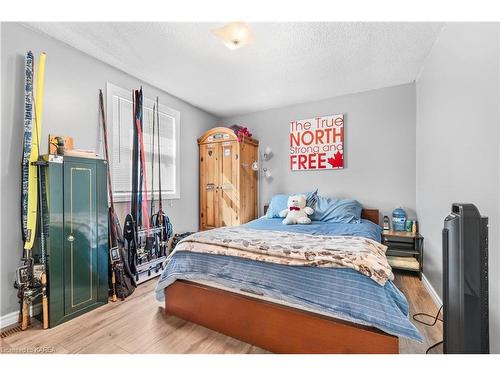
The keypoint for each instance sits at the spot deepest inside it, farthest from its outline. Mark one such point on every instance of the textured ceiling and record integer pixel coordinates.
(289, 63)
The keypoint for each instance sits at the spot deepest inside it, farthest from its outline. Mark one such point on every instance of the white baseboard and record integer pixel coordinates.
(12, 318)
(435, 297)
(8, 319)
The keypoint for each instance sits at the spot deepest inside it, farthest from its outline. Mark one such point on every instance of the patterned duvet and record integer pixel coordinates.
(356, 295)
(294, 249)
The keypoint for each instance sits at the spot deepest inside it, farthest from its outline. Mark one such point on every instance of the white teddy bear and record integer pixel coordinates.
(297, 212)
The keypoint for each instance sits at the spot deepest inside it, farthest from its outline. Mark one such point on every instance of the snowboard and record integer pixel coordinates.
(34, 152)
(27, 144)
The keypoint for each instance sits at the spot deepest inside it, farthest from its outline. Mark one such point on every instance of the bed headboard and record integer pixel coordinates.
(371, 214)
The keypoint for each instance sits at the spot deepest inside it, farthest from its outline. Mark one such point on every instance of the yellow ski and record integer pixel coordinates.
(35, 152)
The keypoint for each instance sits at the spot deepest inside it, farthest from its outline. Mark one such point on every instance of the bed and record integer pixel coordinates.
(284, 308)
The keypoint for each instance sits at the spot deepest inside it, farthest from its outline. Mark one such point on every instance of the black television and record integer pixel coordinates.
(465, 281)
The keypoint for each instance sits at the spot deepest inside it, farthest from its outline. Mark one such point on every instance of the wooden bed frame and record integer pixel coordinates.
(271, 326)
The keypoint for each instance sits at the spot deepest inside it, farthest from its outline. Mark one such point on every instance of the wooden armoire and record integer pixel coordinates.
(228, 183)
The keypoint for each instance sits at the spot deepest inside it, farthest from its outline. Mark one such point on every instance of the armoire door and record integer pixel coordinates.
(209, 182)
(228, 184)
(80, 236)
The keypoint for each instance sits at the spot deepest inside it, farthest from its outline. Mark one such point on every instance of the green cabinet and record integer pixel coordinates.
(77, 236)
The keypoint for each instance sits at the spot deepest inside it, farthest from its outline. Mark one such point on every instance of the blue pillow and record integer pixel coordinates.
(332, 210)
(279, 202)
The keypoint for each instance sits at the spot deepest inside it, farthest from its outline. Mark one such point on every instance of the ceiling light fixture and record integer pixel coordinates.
(235, 35)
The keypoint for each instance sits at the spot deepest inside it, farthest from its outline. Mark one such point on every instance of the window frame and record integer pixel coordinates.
(114, 90)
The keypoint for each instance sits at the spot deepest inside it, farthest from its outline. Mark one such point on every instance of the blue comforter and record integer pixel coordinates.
(339, 292)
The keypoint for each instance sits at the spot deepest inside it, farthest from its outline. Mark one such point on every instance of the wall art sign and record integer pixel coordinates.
(317, 143)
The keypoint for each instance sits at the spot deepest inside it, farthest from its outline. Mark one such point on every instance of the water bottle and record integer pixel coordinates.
(398, 219)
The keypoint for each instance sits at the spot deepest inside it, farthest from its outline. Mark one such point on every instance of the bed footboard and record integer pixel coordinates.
(274, 327)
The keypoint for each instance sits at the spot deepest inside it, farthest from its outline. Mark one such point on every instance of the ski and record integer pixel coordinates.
(135, 157)
(35, 152)
(25, 271)
(31, 278)
(160, 219)
(40, 271)
(138, 124)
(115, 231)
(130, 225)
(160, 203)
(27, 140)
(116, 238)
(152, 149)
(44, 229)
(143, 187)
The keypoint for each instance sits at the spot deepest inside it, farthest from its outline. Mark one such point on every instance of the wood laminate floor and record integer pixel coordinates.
(139, 325)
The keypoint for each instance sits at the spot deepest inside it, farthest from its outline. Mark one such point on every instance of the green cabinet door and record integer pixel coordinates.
(80, 236)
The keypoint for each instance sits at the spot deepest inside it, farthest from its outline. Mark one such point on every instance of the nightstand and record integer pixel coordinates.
(405, 250)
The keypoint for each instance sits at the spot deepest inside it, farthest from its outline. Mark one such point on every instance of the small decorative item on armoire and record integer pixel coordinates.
(241, 132)
(399, 219)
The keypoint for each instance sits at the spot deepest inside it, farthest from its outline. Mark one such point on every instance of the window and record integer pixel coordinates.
(120, 120)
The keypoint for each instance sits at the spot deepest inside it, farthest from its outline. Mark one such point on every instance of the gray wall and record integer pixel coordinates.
(71, 107)
(379, 148)
(458, 143)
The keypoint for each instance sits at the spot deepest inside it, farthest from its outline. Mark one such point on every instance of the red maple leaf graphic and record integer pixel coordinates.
(337, 161)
